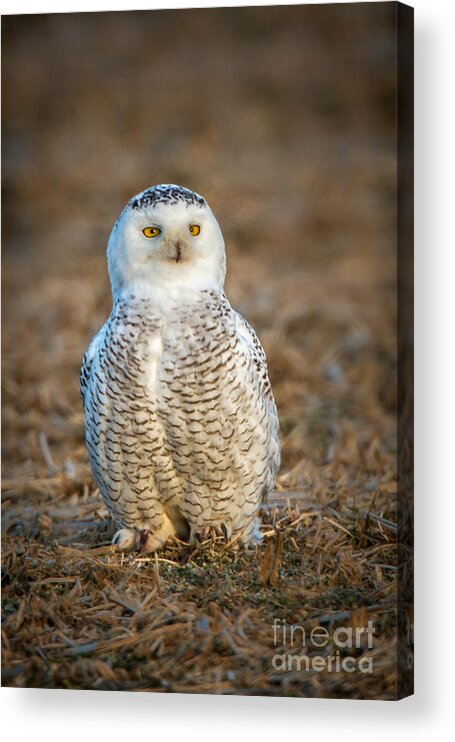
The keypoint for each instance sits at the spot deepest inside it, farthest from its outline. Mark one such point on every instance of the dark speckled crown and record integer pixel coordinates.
(167, 194)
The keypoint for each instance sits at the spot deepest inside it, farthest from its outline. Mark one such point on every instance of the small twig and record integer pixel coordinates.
(157, 576)
(52, 469)
(274, 577)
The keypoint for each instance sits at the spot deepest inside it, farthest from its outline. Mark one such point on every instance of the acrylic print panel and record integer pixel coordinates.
(295, 124)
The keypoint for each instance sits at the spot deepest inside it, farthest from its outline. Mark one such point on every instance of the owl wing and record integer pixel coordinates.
(89, 360)
(255, 351)
(250, 340)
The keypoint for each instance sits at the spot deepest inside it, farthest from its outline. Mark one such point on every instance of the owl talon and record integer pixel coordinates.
(226, 532)
(141, 539)
(130, 539)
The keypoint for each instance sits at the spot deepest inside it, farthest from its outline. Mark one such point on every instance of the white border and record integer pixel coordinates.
(72, 6)
(56, 715)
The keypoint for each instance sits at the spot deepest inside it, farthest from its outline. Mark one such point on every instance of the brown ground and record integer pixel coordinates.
(284, 120)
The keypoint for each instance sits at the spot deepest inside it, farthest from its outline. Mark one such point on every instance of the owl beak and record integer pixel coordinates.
(177, 251)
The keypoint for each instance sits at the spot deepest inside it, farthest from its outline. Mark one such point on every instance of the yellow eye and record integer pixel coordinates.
(195, 229)
(151, 231)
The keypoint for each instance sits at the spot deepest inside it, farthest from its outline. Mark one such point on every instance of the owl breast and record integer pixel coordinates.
(181, 423)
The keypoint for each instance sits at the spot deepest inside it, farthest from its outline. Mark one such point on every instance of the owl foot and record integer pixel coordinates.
(211, 531)
(255, 537)
(249, 535)
(125, 539)
(144, 540)
(129, 539)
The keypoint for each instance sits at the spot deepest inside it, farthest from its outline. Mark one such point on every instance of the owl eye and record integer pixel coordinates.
(151, 231)
(195, 229)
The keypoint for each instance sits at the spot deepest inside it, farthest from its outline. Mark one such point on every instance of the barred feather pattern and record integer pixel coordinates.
(181, 424)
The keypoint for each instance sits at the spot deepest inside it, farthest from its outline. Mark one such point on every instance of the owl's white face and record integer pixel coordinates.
(166, 237)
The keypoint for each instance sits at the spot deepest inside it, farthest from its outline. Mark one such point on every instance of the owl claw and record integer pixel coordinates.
(256, 538)
(130, 539)
(141, 539)
(227, 532)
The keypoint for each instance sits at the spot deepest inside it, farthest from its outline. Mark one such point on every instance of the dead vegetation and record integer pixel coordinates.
(295, 155)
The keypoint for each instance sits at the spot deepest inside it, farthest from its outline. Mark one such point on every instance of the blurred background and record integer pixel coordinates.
(284, 119)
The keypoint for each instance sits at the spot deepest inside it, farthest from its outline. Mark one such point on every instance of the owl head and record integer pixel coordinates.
(166, 237)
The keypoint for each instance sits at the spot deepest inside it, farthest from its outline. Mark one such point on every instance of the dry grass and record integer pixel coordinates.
(295, 153)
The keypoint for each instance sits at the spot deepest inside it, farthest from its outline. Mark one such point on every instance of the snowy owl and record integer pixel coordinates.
(181, 423)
